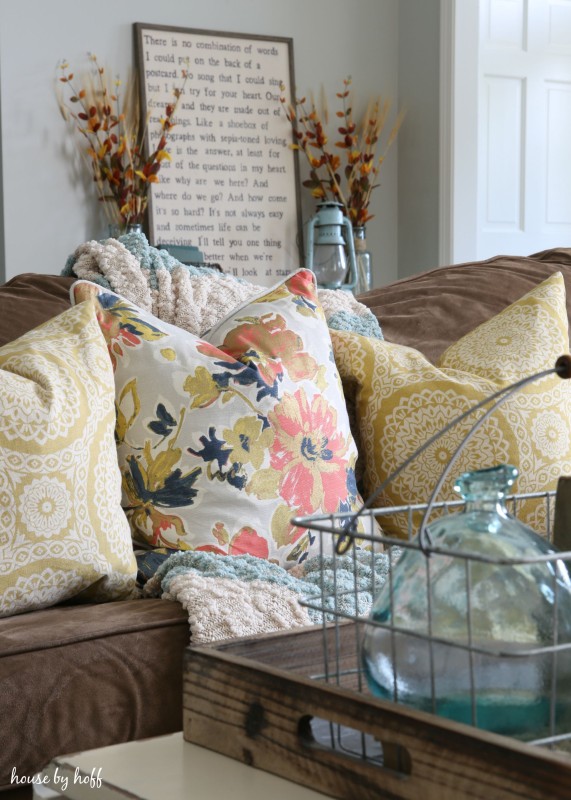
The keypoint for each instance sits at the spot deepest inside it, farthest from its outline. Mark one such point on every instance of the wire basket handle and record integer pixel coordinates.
(562, 368)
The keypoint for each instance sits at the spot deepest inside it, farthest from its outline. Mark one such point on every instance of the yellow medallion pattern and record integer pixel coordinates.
(402, 400)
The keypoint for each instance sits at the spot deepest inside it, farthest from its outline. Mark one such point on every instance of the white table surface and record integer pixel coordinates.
(164, 768)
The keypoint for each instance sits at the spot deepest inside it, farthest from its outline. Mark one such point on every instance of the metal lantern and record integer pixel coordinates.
(330, 251)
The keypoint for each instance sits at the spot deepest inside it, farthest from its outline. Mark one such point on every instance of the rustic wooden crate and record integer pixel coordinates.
(254, 700)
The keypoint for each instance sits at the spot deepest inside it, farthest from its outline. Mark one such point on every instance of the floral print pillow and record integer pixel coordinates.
(222, 440)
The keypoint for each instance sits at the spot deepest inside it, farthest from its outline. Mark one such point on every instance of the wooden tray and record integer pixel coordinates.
(255, 700)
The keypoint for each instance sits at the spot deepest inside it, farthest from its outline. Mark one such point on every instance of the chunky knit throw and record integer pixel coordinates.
(193, 297)
(227, 596)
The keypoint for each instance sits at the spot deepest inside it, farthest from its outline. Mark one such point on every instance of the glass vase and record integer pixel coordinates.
(470, 631)
(115, 230)
(363, 260)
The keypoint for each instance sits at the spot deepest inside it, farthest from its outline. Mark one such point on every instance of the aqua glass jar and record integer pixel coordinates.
(474, 627)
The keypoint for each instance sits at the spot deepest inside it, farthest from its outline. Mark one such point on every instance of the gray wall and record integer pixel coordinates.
(418, 164)
(49, 205)
(2, 243)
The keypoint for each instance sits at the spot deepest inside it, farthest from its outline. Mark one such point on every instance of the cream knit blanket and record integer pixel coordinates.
(224, 608)
(191, 298)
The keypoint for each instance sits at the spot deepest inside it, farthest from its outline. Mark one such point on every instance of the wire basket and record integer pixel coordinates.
(345, 599)
(336, 599)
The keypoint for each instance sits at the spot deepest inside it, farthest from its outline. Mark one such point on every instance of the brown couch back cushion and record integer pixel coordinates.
(428, 311)
(433, 309)
(30, 299)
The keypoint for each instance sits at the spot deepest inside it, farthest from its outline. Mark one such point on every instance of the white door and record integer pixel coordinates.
(511, 121)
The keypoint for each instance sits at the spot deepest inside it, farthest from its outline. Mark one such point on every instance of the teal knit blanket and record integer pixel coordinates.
(122, 264)
(344, 585)
(151, 260)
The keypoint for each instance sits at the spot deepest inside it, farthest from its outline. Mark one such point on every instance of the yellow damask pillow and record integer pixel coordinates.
(402, 400)
(63, 532)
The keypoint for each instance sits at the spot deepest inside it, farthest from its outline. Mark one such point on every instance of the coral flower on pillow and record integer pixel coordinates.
(245, 542)
(309, 453)
(268, 343)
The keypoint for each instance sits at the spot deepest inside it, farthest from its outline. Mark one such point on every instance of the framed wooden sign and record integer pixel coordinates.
(232, 185)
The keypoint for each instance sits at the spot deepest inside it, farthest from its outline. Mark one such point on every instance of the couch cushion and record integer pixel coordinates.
(63, 531)
(431, 310)
(402, 400)
(223, 440)
(69, 624)
(30, 299)
(78, 677)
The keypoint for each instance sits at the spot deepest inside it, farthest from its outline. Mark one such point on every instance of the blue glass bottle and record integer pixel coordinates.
(470, 634)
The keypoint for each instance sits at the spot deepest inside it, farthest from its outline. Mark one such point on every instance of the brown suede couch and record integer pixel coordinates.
(75, 677)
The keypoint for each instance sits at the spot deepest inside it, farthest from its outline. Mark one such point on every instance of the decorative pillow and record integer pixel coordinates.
(402, 400)
(63, 532)
(451, 301)
(222, 440)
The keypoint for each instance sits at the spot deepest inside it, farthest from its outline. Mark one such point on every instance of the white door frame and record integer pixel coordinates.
(459, 41)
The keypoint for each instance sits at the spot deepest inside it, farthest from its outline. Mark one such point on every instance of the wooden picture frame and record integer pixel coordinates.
(232, 186)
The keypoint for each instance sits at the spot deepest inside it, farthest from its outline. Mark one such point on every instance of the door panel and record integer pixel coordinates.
(520, 166)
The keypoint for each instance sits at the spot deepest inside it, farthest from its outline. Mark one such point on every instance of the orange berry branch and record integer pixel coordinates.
(353, 185)
(114, 149)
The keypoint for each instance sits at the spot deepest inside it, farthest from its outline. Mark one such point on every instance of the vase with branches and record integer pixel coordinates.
(348, 178)
(348, 171)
